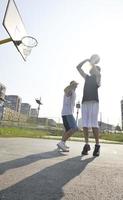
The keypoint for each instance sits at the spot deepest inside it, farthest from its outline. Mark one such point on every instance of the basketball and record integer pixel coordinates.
(94, 59)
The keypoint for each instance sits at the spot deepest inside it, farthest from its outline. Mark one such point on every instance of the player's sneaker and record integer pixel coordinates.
(61, 145)
(96, 151)
(67, 146)
(85, 150)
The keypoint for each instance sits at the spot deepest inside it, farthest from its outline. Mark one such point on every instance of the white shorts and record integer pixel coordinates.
(90, 110)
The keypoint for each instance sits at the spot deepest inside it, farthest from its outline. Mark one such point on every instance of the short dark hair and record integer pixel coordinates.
(73, 83)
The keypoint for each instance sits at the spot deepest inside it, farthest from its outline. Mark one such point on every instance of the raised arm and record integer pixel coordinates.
(79, 67)
(68, 91)
(98, 80)
(97, 73)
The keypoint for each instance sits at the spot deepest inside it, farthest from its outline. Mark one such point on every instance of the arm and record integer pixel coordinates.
(97, 74)
(68, 91)
(79, 68)
(98, 79)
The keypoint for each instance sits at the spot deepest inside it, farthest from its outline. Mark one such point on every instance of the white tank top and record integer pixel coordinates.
(68, 104)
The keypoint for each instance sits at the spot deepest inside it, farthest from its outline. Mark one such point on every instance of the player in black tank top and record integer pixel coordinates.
(90, 94)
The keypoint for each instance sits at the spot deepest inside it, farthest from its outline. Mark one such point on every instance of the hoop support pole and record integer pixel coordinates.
(5, 41)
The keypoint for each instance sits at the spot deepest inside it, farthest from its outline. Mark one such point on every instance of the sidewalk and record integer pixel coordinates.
(82, 139)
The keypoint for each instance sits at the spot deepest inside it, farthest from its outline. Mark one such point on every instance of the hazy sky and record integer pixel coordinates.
(68, 31)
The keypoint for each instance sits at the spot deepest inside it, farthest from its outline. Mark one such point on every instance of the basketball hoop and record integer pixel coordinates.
(13, 24)
(27, 43)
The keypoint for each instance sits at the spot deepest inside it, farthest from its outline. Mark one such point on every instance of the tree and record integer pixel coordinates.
(117, 128)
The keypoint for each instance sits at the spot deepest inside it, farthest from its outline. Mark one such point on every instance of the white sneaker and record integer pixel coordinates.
(67, 146)
(62, 146)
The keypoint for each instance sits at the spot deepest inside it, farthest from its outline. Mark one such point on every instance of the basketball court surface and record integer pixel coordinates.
(33, 169)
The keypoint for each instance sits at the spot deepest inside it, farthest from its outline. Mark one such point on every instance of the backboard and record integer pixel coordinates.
(14, 26)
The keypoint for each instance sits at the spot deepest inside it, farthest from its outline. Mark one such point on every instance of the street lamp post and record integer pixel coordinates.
(38, 101)
(77, 113)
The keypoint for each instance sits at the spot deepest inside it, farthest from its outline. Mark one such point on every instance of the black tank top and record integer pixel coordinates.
(90, 92)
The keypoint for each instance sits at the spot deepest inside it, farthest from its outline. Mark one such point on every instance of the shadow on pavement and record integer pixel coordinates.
(28, 160)
(47, 184)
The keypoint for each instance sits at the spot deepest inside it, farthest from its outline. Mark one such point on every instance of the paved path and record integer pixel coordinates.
(32, 169)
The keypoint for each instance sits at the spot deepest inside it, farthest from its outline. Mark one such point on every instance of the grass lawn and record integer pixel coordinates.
(34, 133)
(22, 132)
(112, 136)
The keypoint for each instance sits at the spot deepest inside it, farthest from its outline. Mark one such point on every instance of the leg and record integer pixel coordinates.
(71, 127)
(94, 117)
(85, 123)
(63, 140)
(85, 131)
(86, 147)
(68, 134)
(96, 134)
(96, 151)
(65, 137)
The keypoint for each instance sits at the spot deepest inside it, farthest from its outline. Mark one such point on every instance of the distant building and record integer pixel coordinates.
(2, 92)
(1, 112)
(47, 122)
(122, 113)
(106, 127)
(12, 115)
(34, 112)
(13, 102)
(25, 109)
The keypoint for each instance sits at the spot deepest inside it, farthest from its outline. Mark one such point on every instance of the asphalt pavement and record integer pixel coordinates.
(34, 169)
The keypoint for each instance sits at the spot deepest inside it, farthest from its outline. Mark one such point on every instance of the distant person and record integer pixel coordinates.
(90, 103)
(67, 114)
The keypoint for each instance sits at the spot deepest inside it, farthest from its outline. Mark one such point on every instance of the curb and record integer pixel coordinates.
(82, 139)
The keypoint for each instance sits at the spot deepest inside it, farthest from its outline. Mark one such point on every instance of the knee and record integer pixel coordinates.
(76, 129)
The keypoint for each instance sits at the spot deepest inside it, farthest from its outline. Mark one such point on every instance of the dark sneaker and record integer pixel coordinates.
(85, 150)
(96, 151)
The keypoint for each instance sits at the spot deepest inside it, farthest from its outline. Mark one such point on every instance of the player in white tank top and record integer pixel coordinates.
(68, 104)
(67, 114)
